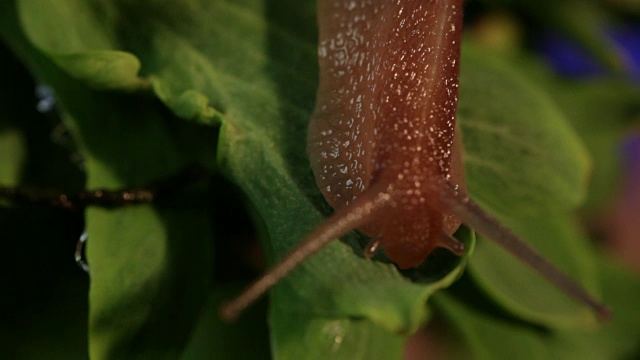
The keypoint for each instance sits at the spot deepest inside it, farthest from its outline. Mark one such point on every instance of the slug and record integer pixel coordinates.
(382, 141)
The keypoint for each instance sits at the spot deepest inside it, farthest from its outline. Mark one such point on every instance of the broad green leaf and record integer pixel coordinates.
(75, 37)
(602, 112)
(14, 112)
(148, 280)
(334, 339)
(489, 335)
(528, 132)
(621, 290)
(486, 336)
(246, 338)
(526, 166)
(522, 291)
(264, 125)
(148, 264)
(250, 67)
(12, 148)
(298, 335)
(103, 69)
(241, 67)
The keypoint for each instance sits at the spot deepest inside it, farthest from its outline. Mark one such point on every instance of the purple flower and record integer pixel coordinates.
(569, 59)
(631, 157)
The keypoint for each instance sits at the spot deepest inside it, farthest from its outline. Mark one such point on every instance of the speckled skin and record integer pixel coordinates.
(385, 116)
(382, 145)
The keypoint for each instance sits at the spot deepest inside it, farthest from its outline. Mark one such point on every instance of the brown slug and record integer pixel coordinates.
(382, 141)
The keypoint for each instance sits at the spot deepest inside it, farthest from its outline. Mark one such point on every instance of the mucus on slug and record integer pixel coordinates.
(385, 114)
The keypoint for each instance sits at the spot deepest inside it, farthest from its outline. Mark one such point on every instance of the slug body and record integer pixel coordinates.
(385, 117)
(382, 140)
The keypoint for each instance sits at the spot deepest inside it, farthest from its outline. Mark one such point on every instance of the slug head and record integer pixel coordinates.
(385, 116)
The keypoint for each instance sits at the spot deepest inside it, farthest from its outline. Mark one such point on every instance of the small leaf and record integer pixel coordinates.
(108, 70)
(12, 146)
(148, 280)
(246, 338)
(528, 132)
(486, 335)
(333, 338)
(76, 39)
(13, 115)
(525, 293)
(526, 166)
(602, 112)
(149, 265)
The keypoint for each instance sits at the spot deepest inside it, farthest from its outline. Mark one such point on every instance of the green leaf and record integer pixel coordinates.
(148, 279)
(603, 112)
(526, 294)
(263, 133)
(334, 339)
(486, 335)
(148, 264)
(83, 46)
(14, 112)
(250, 67)
(103, 69)
(12, 148)
(246, 338)
(528, 132)
(527, 167)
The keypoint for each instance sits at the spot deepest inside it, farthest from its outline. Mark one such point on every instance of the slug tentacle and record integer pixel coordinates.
(343, 221)
(452, 244)
(471, 214)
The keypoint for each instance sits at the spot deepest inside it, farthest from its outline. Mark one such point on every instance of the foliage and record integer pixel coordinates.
(146, 88)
